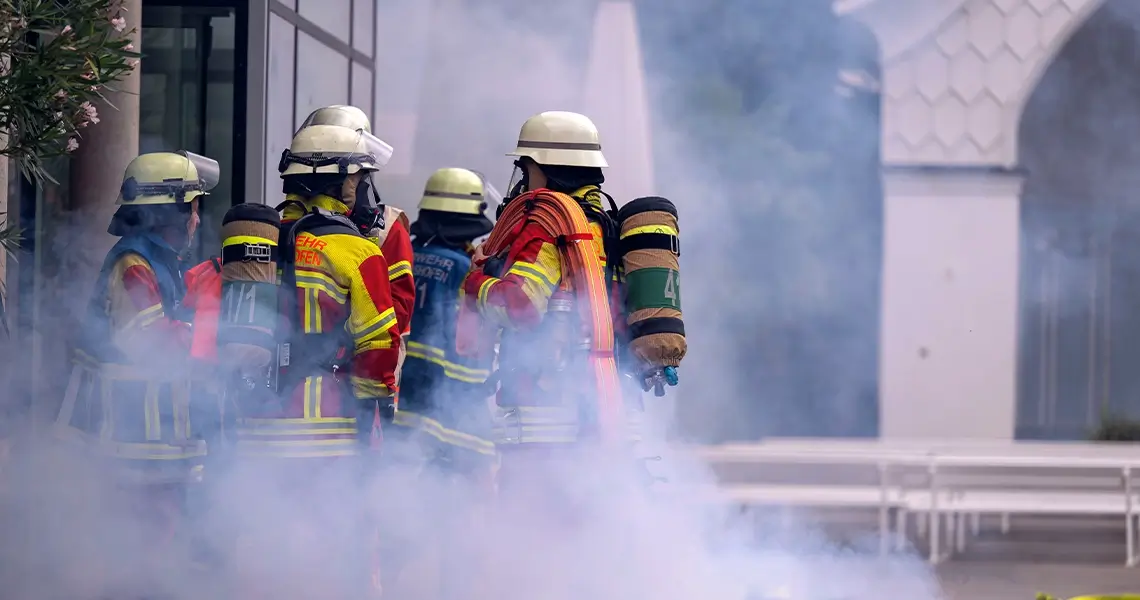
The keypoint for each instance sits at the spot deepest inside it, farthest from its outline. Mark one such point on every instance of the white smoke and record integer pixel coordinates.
(471, 73)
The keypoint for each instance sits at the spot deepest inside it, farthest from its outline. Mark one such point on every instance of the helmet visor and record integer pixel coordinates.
(380, 151)
(209, 171)
(491, 196)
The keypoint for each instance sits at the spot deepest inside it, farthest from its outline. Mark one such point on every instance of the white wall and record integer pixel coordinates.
(948, 345)
(317, 53)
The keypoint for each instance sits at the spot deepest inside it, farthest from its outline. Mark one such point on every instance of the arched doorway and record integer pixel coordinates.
(1080, 280)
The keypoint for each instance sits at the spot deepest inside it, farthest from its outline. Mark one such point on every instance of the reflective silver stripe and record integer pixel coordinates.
(537, 424)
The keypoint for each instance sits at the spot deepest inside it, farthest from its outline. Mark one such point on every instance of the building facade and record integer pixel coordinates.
(233, 78)
(969, 343)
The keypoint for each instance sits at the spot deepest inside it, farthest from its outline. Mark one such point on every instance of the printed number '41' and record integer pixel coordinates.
(672, 284)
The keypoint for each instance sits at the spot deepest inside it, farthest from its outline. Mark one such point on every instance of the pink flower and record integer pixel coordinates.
(90, 113)
(66, 30)
(88, 76)
(119, 23)
(61, 94)
(129, 47)
(72, 144)
(132, 63)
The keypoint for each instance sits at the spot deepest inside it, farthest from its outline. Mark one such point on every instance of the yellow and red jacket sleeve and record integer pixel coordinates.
(397, 252)
(518, 300)
(140, 327)
(372, 315)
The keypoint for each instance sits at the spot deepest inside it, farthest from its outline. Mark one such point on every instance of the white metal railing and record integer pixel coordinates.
(944, 482)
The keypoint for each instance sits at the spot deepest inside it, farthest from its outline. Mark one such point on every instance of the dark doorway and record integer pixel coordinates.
(193, 94)
(1080, 282)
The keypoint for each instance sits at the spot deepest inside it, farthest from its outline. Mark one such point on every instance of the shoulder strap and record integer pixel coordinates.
(391, 215)
(316, 223)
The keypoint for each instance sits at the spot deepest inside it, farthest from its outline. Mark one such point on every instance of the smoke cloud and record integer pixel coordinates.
(778, 252)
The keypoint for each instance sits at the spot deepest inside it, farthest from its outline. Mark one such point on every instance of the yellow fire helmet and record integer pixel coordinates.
(560, 138)
(333, 149)
(453, 190)
(167, 178)
(338, 114)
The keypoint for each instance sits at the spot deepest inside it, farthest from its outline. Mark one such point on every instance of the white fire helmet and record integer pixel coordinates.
(333, 149)
(560, 138)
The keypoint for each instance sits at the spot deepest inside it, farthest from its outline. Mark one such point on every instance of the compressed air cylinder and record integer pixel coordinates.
(650, 249)
(248, 319)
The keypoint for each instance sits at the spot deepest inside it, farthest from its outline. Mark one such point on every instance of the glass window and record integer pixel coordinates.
(187, 97)
(363, 25)
(279, 121)
(362, 88)
(331, 15)
(322, 76)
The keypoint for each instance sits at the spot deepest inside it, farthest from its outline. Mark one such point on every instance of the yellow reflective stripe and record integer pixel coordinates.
(533, 273)
(537, 424)
(540, 434)
(451, 437)
(247, 239)
(380, 323)
(484, 289)
(397, 270)
(152, 423)
(131, 450)
(260, 437)
(650, 229)
(323, 282)
(450, 369)
(300, 432)
(145, 317)
(311, 397)
(368, 388)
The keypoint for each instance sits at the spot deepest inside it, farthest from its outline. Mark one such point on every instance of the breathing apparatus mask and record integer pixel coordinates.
(517, 186)
(367, 209)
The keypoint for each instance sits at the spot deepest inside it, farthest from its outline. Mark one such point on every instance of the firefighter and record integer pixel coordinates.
(134, 344)
(444, 421)
(384, 224)
(340, 333)
(445, 397)
(520, 287)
